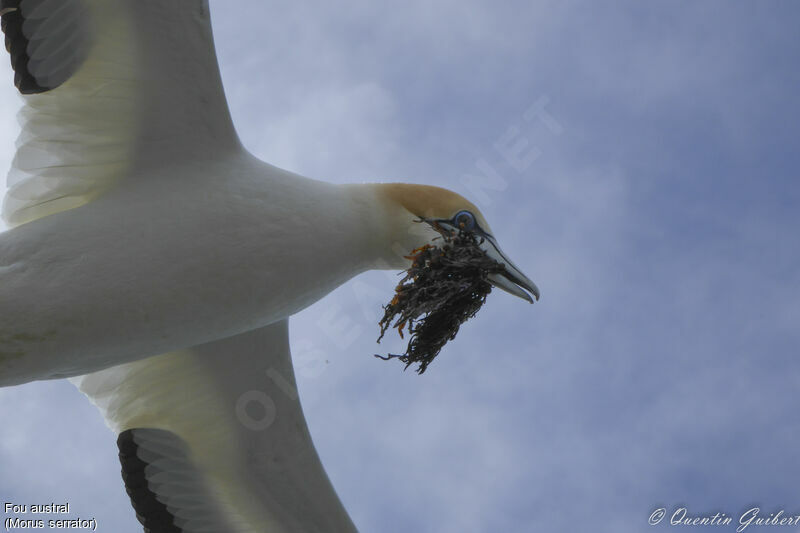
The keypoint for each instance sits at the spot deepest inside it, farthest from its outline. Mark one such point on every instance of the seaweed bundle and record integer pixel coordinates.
(444, 287)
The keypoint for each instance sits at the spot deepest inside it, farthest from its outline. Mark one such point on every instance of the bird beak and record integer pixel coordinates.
(511, 280)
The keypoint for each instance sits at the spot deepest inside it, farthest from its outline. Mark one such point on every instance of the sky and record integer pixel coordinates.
(637, 160)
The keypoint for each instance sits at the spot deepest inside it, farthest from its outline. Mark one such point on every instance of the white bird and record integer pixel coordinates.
(155, 262)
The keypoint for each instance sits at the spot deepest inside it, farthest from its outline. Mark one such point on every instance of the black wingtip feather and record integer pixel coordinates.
(152, 514)
(17, 47)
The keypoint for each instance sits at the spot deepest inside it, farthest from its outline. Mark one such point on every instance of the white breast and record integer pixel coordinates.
(147, 268)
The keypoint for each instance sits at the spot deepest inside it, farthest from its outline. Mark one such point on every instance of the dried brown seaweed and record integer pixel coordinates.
(444, 287)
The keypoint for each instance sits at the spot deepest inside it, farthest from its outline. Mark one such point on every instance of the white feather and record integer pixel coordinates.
(266, 476)
(130, 99)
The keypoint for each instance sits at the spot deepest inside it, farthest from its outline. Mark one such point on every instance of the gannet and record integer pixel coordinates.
(155, 262)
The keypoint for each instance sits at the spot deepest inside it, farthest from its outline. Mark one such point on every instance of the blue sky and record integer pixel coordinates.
(652, 198)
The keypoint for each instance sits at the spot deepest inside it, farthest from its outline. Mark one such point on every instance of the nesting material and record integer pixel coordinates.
(444, 287)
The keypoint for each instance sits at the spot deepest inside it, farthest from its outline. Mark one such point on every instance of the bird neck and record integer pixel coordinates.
(393, 229)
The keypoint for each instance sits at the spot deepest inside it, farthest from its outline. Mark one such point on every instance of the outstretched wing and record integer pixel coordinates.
(110, 87)
(214, 439)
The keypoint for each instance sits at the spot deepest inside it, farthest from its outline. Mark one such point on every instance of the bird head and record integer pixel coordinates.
(419, 214)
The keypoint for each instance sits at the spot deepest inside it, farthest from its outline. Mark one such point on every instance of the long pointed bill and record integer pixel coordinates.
(512, 280)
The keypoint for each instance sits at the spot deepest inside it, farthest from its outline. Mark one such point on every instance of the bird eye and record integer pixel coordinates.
(464, 220)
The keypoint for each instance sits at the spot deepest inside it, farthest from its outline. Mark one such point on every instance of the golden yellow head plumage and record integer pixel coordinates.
(430, 202)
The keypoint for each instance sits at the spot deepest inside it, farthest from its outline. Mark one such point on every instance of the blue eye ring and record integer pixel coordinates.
(464, 220)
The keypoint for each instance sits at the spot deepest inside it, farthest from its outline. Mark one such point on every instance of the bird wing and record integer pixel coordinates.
(110, 87)
(214, 439)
